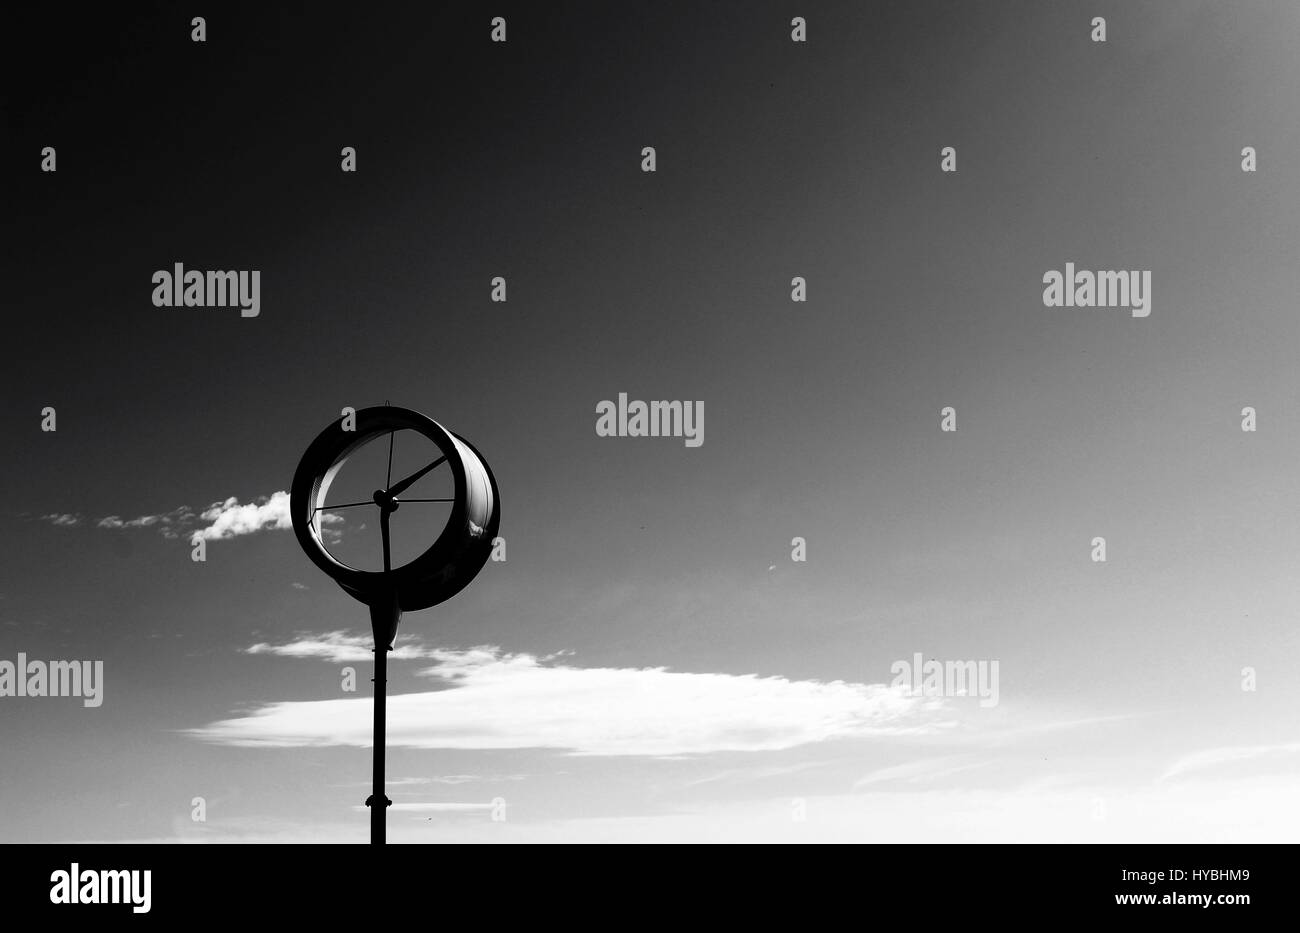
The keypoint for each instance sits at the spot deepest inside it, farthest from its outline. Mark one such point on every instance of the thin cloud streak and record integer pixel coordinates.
(62, 519)
(225, 518)
(918, 772)
(1230, 754)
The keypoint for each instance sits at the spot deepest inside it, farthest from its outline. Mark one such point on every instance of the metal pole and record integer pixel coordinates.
(384, 615)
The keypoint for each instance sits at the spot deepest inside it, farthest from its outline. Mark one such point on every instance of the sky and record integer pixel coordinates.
(649, 663)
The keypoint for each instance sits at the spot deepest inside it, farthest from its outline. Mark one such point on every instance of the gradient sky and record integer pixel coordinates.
(649, 664)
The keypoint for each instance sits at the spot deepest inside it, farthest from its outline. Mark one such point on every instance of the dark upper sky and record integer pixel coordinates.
(775, 159)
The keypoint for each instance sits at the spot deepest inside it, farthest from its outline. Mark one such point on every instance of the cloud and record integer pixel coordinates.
(64, 520)
(1213, 757)
(144, 521)
(1243, 811)
(489, 699)
(918, 772)
(227, 518)
(447, 779)
(754, 774)
(442, 807)
(169, 524)
(342, 648)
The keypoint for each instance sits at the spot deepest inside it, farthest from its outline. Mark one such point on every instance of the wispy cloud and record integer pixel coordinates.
(62, 519)
(341, 648)
(918, 772)
(225, 518)
(448, 779)
(490, 699)
(1229, 754)
(441, 807)
(170, 524)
